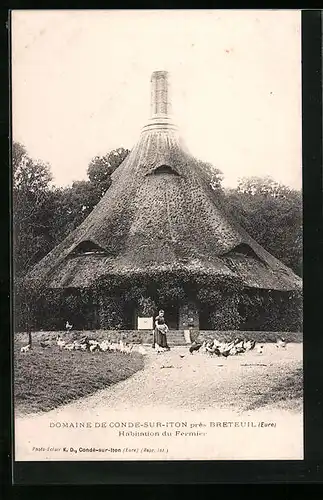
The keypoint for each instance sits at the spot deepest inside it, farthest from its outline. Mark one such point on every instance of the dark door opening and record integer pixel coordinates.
(205, 323)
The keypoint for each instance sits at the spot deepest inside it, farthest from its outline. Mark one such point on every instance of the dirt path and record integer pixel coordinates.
(177, 383)
(178, 380)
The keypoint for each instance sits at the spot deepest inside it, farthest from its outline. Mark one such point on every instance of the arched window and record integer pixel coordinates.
(88, 248)
(164, 169)
(242, 249)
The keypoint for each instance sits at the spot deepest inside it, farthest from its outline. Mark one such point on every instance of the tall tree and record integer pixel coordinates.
(212, 174)
(31, 216)
(71, 206)
(262, 186)
(272, 215)
(101, 167)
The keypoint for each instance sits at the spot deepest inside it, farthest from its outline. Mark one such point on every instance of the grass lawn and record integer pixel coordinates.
(285, 391)
(47, 378)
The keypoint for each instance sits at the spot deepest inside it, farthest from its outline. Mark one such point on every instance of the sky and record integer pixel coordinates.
(81, 86)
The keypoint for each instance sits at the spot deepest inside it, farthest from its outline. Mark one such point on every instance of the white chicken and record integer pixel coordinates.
(68, 326)
(77, 345)
(249, 345)
(281, 343)
(224, 348)
(159, 349)
(60, 342)
(141, 350)
(26, 348)
(260, 349)
(202, 350)
(211, 349)
(94, 347)
(43, 344)
(239, 347)
(69, 347)
(104, 346)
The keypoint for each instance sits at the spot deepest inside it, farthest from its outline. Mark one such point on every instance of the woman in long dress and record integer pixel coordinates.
(162, 334)
(160, 337)
(156, 332)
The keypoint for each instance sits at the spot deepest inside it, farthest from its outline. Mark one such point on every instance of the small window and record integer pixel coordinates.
(243, 249)
(88, 248)
(164, 169)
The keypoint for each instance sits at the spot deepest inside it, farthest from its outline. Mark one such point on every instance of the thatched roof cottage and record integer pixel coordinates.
(158, 226)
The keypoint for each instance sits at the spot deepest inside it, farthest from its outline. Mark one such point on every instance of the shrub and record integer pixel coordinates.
(271, 311)
(111, 314)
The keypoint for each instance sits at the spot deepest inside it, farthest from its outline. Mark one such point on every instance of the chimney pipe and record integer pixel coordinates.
(160, 94)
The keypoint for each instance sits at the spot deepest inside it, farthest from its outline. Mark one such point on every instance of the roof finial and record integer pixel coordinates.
(160, 94)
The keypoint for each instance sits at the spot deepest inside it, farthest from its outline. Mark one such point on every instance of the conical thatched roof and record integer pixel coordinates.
(160, 213)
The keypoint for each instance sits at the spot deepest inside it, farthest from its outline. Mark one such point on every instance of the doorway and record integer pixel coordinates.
(205, 322)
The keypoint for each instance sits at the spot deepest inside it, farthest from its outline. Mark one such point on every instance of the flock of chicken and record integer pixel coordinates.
(85, 344)
(211, 347)
(93, 345)
(225, 349)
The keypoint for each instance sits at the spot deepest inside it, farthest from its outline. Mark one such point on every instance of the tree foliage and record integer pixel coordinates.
(272, 215)
(212, 174)
(263, 186)
(31, 193)
(71, 206)
(269, 310)
(101, 168)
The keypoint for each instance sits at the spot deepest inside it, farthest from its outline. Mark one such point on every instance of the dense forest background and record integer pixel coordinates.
(43, 214)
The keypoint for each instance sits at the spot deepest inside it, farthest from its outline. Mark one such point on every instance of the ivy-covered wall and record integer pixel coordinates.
(211, 304)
